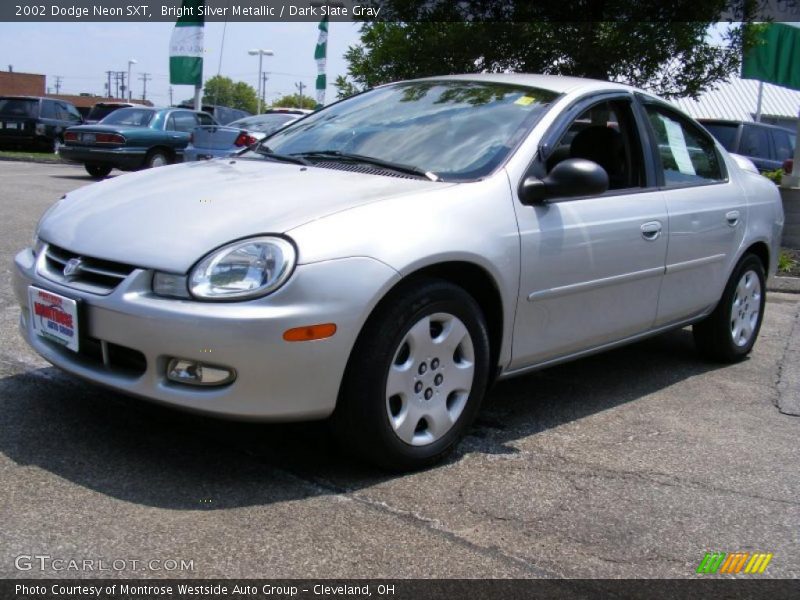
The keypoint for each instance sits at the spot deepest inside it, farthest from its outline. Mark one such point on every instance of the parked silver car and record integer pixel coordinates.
(217, 141)
(384, 260)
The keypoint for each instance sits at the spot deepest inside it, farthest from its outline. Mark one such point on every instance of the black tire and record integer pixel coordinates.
(361, 422)
(715, 336)
(157, 158)
(98, 171)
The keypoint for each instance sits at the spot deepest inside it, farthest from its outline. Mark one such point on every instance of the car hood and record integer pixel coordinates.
(168, 218)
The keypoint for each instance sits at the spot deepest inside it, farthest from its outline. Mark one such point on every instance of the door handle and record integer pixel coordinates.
(651, 230)
(732, 218)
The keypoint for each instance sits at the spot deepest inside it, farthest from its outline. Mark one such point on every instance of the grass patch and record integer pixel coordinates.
(30, 156)
(789, 263)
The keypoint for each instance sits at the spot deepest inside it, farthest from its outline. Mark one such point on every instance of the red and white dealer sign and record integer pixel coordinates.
(54, 317)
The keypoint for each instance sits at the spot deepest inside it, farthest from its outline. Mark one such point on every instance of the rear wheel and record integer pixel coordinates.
(98, 171)
(156, 158)
(729, 333)
(416, 378)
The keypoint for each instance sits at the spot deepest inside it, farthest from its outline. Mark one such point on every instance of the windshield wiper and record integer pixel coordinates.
(338, 155)
(266, 151)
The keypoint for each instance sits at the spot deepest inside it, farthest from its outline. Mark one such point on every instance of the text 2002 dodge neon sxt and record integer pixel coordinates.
(384, 259)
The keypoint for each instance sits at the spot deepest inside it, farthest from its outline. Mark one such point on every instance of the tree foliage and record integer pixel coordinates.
(640, 43)
(293, 101)
(225, 92)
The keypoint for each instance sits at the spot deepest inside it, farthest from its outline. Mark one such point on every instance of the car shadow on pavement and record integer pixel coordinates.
(155, 456)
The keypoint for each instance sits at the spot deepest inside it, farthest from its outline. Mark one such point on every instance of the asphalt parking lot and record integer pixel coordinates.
(629, 464)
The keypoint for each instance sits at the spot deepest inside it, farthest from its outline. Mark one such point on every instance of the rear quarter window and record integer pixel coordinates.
(19, 107)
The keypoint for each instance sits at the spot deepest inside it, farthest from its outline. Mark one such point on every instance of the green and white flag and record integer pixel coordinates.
(320, 55)
(776, 57)
(186, 46)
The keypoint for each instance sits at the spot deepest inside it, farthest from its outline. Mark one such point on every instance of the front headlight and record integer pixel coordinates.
(243, 269)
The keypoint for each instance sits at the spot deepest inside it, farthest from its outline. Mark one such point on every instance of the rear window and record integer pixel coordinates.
(265, 123)
(100, 112)
(19, 107)
(132, 117)
(725, 133)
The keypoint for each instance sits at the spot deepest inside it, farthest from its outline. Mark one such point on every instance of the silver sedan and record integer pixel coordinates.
(381, 262)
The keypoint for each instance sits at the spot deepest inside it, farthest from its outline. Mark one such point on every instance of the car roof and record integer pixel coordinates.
(560, 84)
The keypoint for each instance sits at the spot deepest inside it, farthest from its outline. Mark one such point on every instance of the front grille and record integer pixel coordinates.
(358, 168)
(104, 356)
(92, 275)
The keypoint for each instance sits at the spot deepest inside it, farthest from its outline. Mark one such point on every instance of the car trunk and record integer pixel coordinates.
(215, 137)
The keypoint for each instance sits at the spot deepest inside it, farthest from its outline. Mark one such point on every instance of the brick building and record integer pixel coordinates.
(21, 84)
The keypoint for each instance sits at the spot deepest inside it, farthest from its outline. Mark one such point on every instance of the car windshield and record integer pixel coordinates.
(131, 117)
(19, 107)
(724, 132)
(101, 111)
(454, 129)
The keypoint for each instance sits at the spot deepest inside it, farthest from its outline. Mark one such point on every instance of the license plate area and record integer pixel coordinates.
(54, 317)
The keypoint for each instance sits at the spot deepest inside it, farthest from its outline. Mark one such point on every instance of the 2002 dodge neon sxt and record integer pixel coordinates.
(384, 259)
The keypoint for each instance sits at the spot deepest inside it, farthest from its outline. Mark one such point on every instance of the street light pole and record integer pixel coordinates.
(132, 61)
(261, 54)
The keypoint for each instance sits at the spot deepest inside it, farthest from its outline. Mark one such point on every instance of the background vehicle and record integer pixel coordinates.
(222, 114)
(132, 138)
(102, 109)
(32, 122)
(766, 145)
(211, 141)
(387, 258)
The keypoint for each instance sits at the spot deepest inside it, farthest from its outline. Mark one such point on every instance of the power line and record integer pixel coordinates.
(144, 78)
(58, 84)
(300, 85)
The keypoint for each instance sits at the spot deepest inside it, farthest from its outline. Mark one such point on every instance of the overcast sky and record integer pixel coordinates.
(81, 53)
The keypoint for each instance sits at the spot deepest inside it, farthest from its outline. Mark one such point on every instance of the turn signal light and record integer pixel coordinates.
(310, 333)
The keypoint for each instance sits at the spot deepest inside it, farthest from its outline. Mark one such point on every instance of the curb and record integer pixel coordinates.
(790, 285)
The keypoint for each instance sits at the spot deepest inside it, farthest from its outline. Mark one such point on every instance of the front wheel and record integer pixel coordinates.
(416, 378)
(729, 333)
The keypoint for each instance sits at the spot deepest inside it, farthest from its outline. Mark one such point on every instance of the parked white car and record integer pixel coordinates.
(384, 260)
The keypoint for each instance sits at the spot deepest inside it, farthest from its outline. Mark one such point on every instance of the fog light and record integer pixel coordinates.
(192, 372)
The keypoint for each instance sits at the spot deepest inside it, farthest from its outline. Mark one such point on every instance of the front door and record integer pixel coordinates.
(592, 266)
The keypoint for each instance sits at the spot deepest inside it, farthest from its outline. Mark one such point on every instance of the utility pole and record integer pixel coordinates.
(58, 84)
(144, 78)
(108, 85)
(170, 95)
(300, 85)
(122, 87)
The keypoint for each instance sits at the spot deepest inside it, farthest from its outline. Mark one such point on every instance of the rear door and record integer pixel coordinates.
(707, 214)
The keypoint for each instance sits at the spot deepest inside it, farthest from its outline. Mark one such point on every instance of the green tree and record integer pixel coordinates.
(345, 88)
(293, 101)
(661, 46)
(225, 92)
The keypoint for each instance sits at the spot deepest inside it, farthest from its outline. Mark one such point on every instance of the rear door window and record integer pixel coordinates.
(182, 121)
(688, 156)
(755, 142)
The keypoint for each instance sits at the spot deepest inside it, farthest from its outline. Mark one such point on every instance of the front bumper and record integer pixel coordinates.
(276, 380)
(126, 159)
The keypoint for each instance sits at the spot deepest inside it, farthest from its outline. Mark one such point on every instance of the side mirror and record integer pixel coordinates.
(569, 178)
